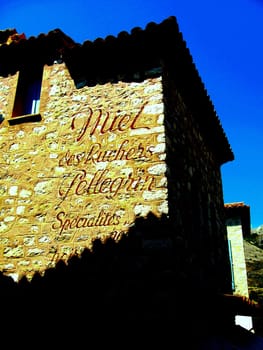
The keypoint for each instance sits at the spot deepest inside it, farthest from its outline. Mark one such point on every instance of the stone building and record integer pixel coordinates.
(117, 128)
(106, 138)
(239, 227)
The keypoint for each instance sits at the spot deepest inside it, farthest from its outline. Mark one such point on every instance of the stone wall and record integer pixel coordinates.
(195, 194)
(100, 157)
(235, 235)
(93, 163)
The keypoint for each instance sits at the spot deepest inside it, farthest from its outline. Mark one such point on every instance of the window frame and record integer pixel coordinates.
(28, 92)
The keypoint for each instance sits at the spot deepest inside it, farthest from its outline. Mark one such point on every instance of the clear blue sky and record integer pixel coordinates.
(225, 39)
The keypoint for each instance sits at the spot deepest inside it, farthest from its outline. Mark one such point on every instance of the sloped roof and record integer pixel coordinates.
(119, 58)
(43, 49)
(242, 211)
(5, 34)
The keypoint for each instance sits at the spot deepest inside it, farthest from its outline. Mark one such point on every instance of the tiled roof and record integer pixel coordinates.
(236, 205)
(242, 211)
(45, 48)
(119, 58)
(5, 34)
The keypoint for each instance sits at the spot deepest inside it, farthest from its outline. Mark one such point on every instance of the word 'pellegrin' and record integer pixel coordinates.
(103, 122)
(81, 185)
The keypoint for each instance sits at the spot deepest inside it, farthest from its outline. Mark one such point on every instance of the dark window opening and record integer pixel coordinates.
(28, 91)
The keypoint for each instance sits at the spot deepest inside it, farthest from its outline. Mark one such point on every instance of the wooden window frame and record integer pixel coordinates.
(28, 92)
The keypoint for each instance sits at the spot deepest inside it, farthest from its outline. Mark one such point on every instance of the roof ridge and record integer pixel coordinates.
(116, 57)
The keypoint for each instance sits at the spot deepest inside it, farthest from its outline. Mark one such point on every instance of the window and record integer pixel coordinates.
(231, 265)
(27, 99)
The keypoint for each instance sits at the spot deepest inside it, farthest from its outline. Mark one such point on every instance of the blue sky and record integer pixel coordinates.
(225, 40)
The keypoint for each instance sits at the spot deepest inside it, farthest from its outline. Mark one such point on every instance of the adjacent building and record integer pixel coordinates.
(239, 227)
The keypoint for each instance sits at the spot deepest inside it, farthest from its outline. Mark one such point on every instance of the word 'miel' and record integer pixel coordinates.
(103, 122)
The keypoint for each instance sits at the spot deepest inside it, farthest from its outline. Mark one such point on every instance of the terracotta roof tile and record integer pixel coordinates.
(236, 205)
(119, 58)
(241, 210)
(5, 34)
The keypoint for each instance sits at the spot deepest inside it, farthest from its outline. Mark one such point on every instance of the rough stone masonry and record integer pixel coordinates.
(92, 164)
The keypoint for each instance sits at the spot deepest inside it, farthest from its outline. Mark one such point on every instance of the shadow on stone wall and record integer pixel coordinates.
(137, 287)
